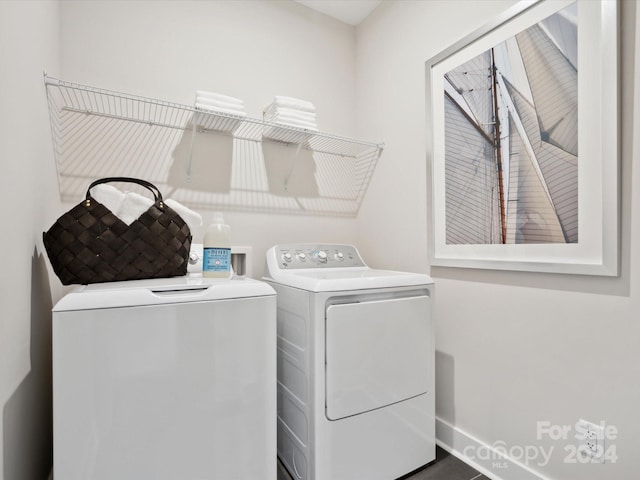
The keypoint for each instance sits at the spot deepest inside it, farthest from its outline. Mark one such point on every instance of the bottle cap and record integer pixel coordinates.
(217, 217)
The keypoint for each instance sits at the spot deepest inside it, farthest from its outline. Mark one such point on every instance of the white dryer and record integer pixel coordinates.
(165, 379)
(355, 365)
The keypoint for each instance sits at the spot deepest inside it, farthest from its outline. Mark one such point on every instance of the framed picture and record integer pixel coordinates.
(522, 136)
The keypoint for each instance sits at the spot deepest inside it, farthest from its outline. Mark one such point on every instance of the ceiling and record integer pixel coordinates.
(348, 11)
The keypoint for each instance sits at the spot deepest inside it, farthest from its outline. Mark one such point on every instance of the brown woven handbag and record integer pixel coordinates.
(89, 244)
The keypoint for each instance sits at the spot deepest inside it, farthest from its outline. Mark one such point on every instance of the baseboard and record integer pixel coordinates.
(485, 458)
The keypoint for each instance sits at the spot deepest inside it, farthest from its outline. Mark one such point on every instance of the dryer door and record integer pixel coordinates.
(376, 353)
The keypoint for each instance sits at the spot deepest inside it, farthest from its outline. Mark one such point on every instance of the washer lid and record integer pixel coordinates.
(330, 268)
(362, 278)
(158, 291)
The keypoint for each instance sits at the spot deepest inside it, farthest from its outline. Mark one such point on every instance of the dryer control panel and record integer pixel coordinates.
(294, 256)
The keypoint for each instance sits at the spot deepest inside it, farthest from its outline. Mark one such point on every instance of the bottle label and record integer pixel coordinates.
(216, 260)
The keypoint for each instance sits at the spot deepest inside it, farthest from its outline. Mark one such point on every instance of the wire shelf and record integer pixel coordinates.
(204, 159)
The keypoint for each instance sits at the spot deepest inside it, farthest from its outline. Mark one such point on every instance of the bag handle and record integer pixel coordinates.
(148, 185)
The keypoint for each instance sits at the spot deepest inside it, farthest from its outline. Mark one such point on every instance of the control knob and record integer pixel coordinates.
(321, 256)
(339, 256)
(287, 257)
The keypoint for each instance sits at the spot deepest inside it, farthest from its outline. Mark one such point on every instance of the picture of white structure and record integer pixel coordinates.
(511, 139)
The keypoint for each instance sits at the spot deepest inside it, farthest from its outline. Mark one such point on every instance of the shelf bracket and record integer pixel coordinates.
(193, 140)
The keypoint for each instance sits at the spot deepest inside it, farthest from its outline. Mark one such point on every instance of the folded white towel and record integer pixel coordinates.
(291, 102)
(192, 218)
(108, 195)
(290, 112)
(218, 97)
(132, 207)
(289, 119)
(296, 124)
(126, 206)
(216, 103)
(211, 109)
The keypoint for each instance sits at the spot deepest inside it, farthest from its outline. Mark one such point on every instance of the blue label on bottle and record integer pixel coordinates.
(216, 260)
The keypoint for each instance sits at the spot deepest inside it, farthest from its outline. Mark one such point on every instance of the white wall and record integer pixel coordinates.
(28, 195)
(513, 348)
(249, 49)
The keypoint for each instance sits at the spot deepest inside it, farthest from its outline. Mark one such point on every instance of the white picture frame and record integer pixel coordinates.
(597, 250)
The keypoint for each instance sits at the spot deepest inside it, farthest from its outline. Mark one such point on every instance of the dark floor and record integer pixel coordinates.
(445, 467)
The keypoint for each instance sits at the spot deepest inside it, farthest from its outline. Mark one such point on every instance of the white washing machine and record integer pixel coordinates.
(165, 379)
(355, 365)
